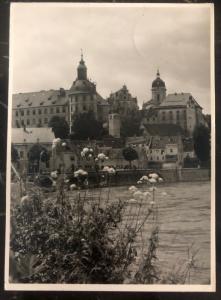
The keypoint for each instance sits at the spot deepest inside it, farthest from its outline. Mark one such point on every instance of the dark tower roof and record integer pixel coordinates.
(82, 69)
(158, 82)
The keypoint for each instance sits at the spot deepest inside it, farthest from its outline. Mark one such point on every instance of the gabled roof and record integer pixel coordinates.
(178, 99)
(161, 142)
(163, 129)
(38, 99)
(32, 135)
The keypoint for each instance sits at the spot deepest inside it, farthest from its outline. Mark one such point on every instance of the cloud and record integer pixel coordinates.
(121, 46)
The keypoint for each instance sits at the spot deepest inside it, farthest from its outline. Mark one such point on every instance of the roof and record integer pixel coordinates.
(42, 98)
(188, 145)
(161, 142)
(163, 129)
(82, 86)
(178, 99)
(158, 82)
(32, 135)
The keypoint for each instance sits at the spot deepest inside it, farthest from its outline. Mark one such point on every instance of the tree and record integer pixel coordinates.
(201, 137)
(59, 126)
(86, 126)
(130, 124)
(38, 153)
(14, 154)
(130, 154)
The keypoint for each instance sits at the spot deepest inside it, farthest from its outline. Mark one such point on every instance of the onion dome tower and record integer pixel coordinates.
(158, 89)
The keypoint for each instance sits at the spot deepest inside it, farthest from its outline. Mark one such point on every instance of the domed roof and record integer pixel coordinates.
(158, 82)
(82, 86)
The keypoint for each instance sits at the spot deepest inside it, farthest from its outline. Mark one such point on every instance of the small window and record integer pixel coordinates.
(92, 97)
(84, 107)
(46, 111)
(33, 112)
(171, 150)
(76, 98)
(52, 110)
(16, 113)
(33, 121)
(57, 110)
(22, 112)
(28, 122)
(28, 112)
(39, 121)
(46, 120)
(21, 154)
(39, 111)
(63, 109)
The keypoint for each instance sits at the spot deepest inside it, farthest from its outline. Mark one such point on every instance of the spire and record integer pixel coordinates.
(82, 58)
(82, 69)
(158, 73)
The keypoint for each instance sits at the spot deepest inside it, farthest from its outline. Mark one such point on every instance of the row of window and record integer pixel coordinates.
(84, 108)
(151, 158)
(39, 111)
(34, 122)
(84, 98)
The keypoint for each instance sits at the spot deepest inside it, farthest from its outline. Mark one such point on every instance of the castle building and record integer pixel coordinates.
(35, 109)
(122, 102)
(177, 108)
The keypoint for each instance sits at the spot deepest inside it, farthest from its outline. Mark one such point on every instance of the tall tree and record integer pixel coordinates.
(201, 137)
(14, 154)
(130, 124)
(86, 126)
(38, 153)
(129, 154)
(59, 126)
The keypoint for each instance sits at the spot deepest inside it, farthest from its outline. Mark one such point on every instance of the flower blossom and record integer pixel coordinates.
(132, 189)
(154, 175)
(109, 170)
(73, 187)
(152, 180)
(54, 174)
(80, 172)
(132, 201)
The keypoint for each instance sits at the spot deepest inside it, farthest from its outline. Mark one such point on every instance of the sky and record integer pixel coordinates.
(121, 45)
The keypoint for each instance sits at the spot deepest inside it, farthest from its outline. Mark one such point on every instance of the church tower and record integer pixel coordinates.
(82, 69)
(158, 90)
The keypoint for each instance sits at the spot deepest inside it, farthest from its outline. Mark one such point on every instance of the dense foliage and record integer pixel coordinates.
(59, 126)
(86, 126)
(201, 137)
(130, 124)
(129, 154)
(70, 242)
(14, 154)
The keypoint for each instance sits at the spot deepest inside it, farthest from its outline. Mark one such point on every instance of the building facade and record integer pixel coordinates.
(35, 109)
(177, 108)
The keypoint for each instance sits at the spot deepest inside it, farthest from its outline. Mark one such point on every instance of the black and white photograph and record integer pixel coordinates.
(111, 151)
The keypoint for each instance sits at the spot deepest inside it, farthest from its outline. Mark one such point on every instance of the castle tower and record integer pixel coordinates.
(158, 90)
(82, 69)
(114, 125)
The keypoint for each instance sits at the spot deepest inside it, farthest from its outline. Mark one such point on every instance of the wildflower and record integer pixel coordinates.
(154, 175)
(138, 195)
(152, 180)
(106, 157)
(132, 189)
(90, 155)
(73, 187)
(91, 150)
(132, 201)
(66, 180)
(101, 156)
(160, 179)
(63, 144)
(111, 171)
(85, 150)
(144, 178)
(54, 174)
(139, 182)
(96, 159)
(147, 194)
(80, 172)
